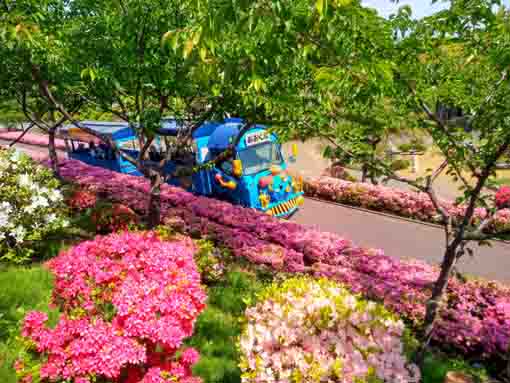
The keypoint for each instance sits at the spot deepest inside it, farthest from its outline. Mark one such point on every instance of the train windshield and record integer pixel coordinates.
(260, 157)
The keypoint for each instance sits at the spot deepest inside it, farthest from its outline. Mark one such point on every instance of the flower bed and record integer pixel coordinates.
(404, 287)
(407, 204)
(128, 301)
(32, 139)
(308, 330)
(31, 206)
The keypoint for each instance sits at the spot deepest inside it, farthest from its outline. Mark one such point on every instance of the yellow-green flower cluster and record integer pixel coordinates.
(307, 330)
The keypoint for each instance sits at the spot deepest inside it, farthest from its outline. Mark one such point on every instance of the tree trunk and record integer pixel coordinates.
(154, 213)
(364, 173)
(433, 304)
(53, 153)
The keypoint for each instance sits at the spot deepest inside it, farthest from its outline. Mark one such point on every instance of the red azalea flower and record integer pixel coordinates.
(502, 197)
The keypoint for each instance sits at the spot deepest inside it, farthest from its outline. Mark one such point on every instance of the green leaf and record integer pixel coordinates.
(343, 3)
(166, 38)
(88, 73)
(203, 53)
(188, 47)
(320, 5)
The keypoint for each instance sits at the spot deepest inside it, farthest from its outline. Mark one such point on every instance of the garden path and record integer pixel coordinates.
(401, 238)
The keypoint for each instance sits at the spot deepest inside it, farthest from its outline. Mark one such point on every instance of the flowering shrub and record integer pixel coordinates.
(81, 200)
(128, 302)
(316, 331)
(32, 139)
(400, 202)
(108, 218)
(31, 206)
(403, 286)
(502, 197)
(500, 222)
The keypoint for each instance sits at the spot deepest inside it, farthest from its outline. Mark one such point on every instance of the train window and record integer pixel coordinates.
(226, 166)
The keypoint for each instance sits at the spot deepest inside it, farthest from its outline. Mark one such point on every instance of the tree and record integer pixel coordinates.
(462, 60)
(457, 57)
(132, 68)
(348, 57)
(36, 63)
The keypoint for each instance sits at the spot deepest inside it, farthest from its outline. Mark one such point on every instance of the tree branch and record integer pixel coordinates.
(46, 92)
(478, 188)
(504, 76)
(144, 149)
(21, 135)
(437, 173)
(40, 124)
(453, 141)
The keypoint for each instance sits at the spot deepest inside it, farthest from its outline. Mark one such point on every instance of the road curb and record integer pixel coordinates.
(387, 215)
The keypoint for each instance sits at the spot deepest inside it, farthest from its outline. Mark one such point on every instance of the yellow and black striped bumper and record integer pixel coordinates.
(287, 207)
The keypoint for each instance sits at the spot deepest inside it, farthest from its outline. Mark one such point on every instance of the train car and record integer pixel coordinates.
(253, 175)
(89, 149)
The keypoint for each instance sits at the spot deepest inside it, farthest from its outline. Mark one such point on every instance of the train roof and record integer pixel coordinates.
(115, 130)
(221, 134)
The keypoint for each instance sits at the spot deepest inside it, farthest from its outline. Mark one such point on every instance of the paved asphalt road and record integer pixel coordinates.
(396, 237)
(402, 239)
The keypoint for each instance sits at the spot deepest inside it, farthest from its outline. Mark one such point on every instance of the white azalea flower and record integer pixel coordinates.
(30, 208)
(19, 233)
(4, 219)
(25, 180)
(40, 201)
(5, 207)
(51, 218)
(55, 196)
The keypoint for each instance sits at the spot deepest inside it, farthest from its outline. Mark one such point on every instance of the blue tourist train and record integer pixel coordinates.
(254, 174)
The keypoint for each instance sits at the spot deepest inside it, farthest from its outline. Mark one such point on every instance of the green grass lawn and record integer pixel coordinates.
(219, 327)
(22, 289)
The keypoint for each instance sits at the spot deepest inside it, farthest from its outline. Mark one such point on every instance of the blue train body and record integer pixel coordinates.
(255, 176)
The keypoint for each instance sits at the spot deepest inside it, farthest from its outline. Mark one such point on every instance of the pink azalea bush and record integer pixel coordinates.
(403, 286)
(500, 222)
(32, 139)
(310, 330)
(128, 301)
(400, 202)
